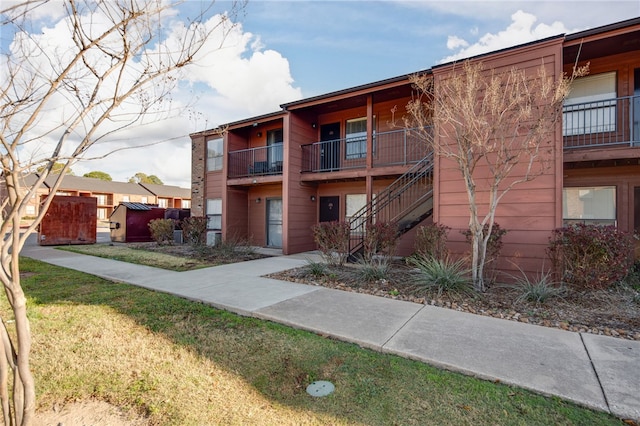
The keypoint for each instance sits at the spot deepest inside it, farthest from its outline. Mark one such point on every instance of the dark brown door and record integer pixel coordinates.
(329, 209)
(330, 147)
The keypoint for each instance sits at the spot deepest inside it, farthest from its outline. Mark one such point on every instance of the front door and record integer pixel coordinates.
(329, 209)
(330, 147)
(274, 222)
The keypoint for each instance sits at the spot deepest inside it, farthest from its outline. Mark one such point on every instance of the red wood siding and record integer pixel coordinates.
(257, 211)
(299, 213)
(530, 211)
(236, 215)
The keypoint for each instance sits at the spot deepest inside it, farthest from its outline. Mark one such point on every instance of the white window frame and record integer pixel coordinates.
(214, 213)
(102, 199)
(590, 107)
(353, 203)
(215, 152)
(163, 202)
(356, 139)
(589, 204)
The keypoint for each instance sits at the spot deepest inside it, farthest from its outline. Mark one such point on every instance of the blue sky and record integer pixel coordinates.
(282, 51)
(332, 45)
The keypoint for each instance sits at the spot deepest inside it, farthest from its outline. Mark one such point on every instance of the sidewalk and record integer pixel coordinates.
(595, 371)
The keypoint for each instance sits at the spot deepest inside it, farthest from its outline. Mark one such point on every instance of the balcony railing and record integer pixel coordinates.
(262, 161)
(399, 147)
(612, 122)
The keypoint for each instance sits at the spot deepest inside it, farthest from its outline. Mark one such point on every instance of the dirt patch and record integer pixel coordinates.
(86, 413)
(612, 312)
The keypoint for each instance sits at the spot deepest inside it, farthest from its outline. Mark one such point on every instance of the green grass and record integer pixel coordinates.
(141, 256)
(185, 363)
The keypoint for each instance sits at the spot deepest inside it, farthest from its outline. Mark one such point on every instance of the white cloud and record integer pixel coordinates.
(521, 30)
(455, 42)
(233, 77)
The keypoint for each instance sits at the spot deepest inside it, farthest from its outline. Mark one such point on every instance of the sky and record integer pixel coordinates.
(282, 51)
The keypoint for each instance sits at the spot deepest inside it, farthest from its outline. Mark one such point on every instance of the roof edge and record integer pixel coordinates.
(352, 89)
(495, 52)
(603, 29)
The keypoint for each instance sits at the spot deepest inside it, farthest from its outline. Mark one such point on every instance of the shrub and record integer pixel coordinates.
(591, 256)
(374, 269)
(194, 230)
(431, 241)
(380, 238)
(494, 245)
(332, 239)
(443, 275)
(317, 269)
(540, 289)
(162, 230)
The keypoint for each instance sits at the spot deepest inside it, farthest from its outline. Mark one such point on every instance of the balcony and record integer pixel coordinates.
(606, 123)
(262, 161)
(398, 147)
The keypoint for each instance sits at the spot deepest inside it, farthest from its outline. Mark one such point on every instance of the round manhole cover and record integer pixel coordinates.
(320, 388)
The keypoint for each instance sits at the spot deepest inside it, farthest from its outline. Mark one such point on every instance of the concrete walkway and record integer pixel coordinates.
(595, 371)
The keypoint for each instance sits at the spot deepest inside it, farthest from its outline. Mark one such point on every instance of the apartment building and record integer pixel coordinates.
(270, 178)
(110, 194)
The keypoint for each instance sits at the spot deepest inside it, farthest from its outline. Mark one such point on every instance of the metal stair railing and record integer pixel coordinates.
(410, 191)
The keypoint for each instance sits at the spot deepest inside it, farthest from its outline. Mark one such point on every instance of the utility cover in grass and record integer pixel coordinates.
(320, 388)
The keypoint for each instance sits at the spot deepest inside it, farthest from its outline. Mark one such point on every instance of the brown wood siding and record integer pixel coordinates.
(236, 215)
(530, 211)
(214, 185)
(386, 120)
(299, 213)
(257, 211)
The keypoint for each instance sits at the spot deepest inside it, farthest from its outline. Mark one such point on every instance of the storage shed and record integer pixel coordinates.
(69, 220)
(129, 222)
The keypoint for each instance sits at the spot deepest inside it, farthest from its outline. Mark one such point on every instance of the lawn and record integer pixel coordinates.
(184, 363)
(180, 257)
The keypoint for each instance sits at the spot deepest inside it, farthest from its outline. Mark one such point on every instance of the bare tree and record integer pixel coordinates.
(119, 66)
(503, 121)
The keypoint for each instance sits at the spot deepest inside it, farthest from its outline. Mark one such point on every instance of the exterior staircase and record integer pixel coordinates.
(406, 202)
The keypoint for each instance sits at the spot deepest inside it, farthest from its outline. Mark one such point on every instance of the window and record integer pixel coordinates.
(590, 205)
(355, 202)
(102, 214)
(356, 138)
(30, 210)
(214, 154)
(214, 213)
(186, 204)
(125, 198)
(163, 202)
(102, 199)
(591, 105)
(144, 200)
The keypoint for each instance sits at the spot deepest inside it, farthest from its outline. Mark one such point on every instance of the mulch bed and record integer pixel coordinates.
(613, 312)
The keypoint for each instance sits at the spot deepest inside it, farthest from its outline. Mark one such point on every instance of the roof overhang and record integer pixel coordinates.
(608, 40)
